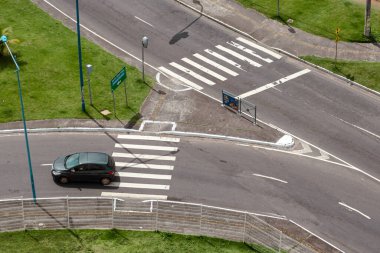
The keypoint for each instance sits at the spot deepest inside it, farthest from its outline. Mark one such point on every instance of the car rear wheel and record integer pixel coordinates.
(63, 180)
(105, 181)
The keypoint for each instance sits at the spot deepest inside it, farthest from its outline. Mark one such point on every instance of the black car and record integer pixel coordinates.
(84, 166)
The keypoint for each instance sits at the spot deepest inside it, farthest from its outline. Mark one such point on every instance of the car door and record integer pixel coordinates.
(79, 173)
(96, 171)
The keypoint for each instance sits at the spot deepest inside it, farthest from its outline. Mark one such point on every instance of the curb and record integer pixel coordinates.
(285, 142)
(281, 50)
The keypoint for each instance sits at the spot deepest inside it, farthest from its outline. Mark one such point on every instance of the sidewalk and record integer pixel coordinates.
(277, 35)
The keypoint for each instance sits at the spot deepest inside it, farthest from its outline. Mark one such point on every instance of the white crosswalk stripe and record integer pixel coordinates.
(144, 166)
(139, 186)
(180, 78)
(146, 137)
(221, 57)
(254, 45)
(192, 73)
(239, 56)
(134, 146)
(204, 69)
(144, 156)
(216, 65)
(248, 51)
(134, 195)
(143, 175)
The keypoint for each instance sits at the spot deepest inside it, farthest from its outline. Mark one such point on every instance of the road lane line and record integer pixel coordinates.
(147, 137)
(133, 195)
(180, 78)
(192, 73)
(254, 45)
(355, 210)
(144, 156)
(216, 65)
(272, 178)
(144, 21)
(221, 57)
(143, 175)
(139, 186)
(144, 166)
(46, 164)
(275, 83)
(248, 51)
(204, 69)
(148, 147)
(360, 128)
(239, 56)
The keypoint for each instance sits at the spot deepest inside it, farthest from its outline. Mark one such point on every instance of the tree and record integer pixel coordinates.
(7, 32)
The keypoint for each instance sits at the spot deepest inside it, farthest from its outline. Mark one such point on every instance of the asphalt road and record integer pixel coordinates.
(220, 173)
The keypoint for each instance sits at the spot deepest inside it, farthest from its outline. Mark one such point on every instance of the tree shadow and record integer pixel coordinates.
(6, 62)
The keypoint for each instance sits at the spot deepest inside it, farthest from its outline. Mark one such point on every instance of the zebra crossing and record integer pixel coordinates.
(215, 65)
(144, 165)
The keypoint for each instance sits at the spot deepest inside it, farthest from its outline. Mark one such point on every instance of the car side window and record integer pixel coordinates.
(80, 168)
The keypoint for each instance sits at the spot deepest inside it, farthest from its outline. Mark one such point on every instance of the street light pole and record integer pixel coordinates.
(367, 19)
(144, 42)
(80, 58)
(4, 39)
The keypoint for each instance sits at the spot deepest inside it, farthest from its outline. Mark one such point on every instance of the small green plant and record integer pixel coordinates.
(7, 32)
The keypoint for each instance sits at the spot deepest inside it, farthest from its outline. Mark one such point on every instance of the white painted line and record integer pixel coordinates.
(275, 83)
(158, 79)
(147, 137)
(143, 156)
(355, 210)
(46, 164)
(305, 149)
(221, 57)
(216, 65)
(254, 45)
(144, 21)
(239, 56)
(143, 175)
(272, 178)
(360, 128)
(148, 147)
(323, 156)
(204, 69)
(180, 78)
(133, 195)
(144, 166)
(141, 128)
(139, 186)
(192, 73)
(248, 51)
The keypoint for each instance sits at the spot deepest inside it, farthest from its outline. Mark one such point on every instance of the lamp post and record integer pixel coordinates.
(89, 70)
(367, 19)
(4, 40)
(80, 58)
(144, 41)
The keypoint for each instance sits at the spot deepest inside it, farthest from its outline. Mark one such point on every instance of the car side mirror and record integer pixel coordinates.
(72, 170)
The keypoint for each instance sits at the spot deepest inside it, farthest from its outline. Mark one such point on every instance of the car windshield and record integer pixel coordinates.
(72, 161)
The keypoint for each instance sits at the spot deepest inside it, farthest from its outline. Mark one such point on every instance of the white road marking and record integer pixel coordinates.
(360, 128)
(254, 45)
(144, 21)
(323, 156)
(272, 178)
(248, 51)
(147, 137)
(192, 73)
(158, 79)
(275, 83)
(239, 56)
(221, 57)
(143, 175)
(134, 146)
(355, 210)
(204, 69)
(216, 65)
(46, 164)
(139, 186)
(180, 78)
(144, 166)
(143, 156)
(133, 195)
(305, 149)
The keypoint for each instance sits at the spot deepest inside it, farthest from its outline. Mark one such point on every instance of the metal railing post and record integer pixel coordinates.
(68, 212)
(200, 221)
(23, 211)
(156, 216)
(113, 205)
(279, 247)
(245, 222)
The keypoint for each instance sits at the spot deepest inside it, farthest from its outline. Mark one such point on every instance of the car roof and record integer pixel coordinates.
(93, 157)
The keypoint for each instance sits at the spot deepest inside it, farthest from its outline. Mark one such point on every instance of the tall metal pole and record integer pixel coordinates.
(4, 40)
(80, 58)
(143, 74)
(367, 19)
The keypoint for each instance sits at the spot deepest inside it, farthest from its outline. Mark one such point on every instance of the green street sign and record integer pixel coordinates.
(118, 79)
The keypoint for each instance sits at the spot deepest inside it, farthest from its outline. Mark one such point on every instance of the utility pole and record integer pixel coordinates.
(80, 58)
(367, 19)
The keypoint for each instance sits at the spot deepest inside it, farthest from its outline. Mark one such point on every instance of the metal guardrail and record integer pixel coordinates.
(152, 215)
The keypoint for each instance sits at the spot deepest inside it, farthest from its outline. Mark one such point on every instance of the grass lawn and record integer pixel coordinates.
(48, 58)
(365, 73)
(322, 17)
(117, 241)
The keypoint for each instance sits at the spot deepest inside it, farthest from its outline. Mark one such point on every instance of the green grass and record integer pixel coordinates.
(117, 241)
(322, 17)
(48, 59)
(365, 73)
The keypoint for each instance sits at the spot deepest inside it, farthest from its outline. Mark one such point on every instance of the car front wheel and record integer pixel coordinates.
(105, 181)
(63, 180)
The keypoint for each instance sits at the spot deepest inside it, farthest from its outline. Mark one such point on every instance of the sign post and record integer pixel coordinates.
(337, 38)
(115, 83)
